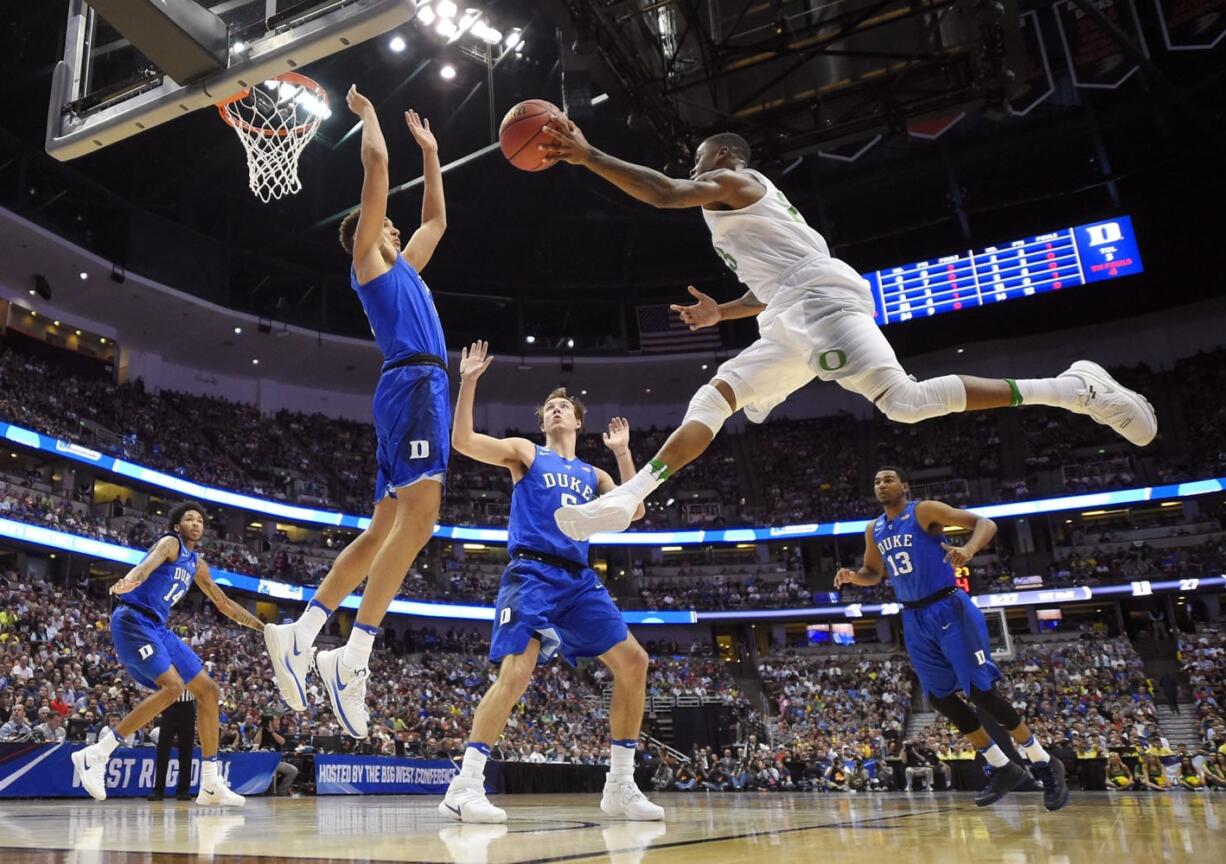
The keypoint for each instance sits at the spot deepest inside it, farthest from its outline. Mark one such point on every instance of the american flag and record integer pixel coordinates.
(662, 330)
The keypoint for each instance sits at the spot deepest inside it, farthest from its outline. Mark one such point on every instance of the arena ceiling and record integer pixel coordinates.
(562, 256)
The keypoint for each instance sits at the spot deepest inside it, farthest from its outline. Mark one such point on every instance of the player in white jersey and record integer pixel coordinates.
(815, 317)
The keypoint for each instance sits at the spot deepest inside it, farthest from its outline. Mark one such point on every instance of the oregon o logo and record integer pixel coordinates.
(832, 360)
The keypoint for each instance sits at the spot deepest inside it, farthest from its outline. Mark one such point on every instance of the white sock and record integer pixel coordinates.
(995, 756)
(106, 745)
(357, 649)
(645, 482)
(1057, 392)
(208, 774)
(309, 625)
(473, 767)
(1034, 752)
(621, 762)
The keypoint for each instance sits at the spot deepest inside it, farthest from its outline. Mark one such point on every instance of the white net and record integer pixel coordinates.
(275, 122)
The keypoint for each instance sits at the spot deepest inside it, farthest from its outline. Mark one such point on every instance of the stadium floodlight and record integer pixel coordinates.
(448, 72)
(486, 33)
(514, 38)
(446, 27)
(397, 44)
(447, 9)
(426, 15)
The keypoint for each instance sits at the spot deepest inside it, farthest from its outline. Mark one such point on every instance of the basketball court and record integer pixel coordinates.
(701, 827)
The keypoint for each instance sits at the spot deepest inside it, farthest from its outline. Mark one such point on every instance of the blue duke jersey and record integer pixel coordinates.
(166, 585)
(914, 560)
(401, 313)
(550, 483)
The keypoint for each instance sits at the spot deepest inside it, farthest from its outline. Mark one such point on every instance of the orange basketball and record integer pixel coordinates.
(520, 133)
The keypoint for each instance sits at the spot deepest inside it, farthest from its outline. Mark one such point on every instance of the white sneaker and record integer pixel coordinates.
(91, 768)
(218, 794)
(624, 798)
(1108, 402)
(290, 661)
(466, 802)
(608, 514)
(346, 691)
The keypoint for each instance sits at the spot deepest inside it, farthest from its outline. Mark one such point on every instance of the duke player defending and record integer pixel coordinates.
(411, 414)
(945, 633)
(158, 659)
(550, 601)
(815, 319)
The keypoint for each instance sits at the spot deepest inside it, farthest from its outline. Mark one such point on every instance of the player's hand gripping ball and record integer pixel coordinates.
(521, 135)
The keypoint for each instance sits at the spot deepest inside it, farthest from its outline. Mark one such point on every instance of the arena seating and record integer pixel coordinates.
(785, 471)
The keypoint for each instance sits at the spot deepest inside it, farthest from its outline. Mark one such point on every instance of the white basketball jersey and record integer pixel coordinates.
(769, 247)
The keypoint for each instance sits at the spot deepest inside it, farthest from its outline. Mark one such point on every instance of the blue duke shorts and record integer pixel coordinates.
(412, 413)
(570, 612)
(949, 647)
(147, 648)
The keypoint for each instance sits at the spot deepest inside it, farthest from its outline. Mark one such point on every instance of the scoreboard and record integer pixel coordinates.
(1035, 265)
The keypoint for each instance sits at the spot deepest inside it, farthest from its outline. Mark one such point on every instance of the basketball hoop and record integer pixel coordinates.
(275, 121)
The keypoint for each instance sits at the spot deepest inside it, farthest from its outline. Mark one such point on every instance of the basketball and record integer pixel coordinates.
(520, 133)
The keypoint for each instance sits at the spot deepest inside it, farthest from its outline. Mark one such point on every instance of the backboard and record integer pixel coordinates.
(105, 90)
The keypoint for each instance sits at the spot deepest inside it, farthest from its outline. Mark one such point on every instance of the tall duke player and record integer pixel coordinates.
(550, 600)
(815, 319)
(158, 659)
(411, 408)
(945, 633)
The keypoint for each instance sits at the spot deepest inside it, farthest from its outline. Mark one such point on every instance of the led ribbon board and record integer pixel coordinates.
(295, 513)
(53, 539)
(1034, 265)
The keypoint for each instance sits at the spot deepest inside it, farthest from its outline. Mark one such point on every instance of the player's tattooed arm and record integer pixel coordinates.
(166, 549)
(617, 439)
(224, 604)
(937, 516)
(872, 571)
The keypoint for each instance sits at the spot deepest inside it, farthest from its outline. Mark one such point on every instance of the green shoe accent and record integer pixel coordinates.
(658, 470)
(1017, 393)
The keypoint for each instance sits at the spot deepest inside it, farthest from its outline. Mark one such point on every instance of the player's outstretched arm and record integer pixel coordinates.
(166, 549)
(930, 513)
(872, 571)
(515, 454)
(425, 239)
(224, 604)
(731, 189)
(366, 260)
(617, 439)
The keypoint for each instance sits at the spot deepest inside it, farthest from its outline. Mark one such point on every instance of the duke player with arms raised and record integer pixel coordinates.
(158, 659)
(945, 633)
(411, 414)
(550, 601)
(815, 319)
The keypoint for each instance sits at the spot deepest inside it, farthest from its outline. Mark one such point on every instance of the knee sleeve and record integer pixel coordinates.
(910, 401)
(995, 705)
(708, 407)
(959, 713)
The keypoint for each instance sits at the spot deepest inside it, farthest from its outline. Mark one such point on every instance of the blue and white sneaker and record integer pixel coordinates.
(466, 802)
(291, 662)
(346, 691)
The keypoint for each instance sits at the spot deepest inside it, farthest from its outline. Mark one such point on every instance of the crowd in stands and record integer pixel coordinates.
(780, 472)
(56, 657)
(1203, 660)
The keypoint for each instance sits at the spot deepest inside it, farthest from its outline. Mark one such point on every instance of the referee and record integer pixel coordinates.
(176, 724)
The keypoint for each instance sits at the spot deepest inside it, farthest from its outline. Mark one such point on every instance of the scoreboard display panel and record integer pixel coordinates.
(1033, 265)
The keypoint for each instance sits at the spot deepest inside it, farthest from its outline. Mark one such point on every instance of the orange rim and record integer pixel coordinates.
(289, 78)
